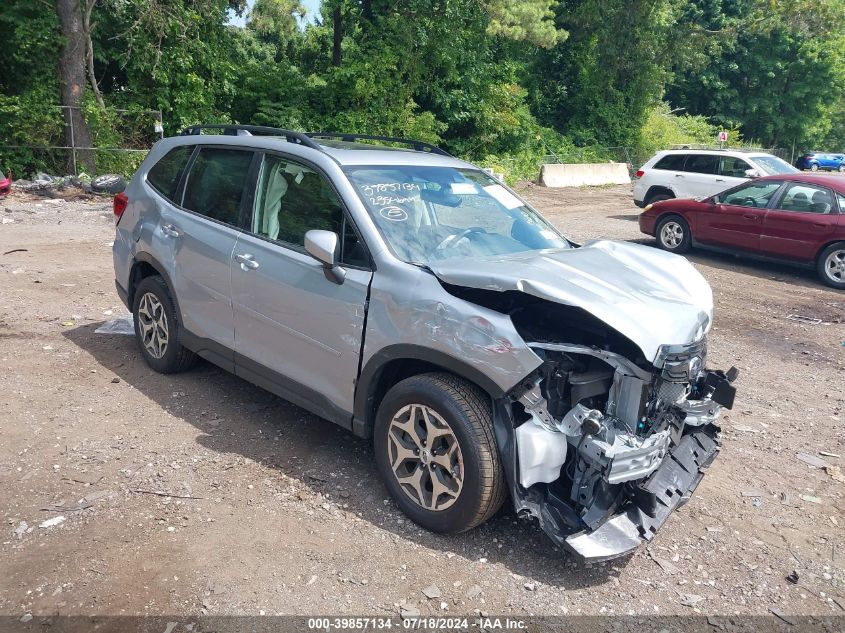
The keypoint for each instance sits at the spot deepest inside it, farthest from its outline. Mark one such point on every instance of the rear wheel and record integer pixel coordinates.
(814, 167)
(437, 453)
(831, 265)
(158, 329)
(673, 234)
(658, 197)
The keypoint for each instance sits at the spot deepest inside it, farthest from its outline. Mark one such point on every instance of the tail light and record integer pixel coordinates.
(121, 201)
(640, 173)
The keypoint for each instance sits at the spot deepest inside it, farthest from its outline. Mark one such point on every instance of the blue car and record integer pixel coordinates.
(815, 161)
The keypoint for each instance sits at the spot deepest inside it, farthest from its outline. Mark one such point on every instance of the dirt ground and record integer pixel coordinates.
(199, 493)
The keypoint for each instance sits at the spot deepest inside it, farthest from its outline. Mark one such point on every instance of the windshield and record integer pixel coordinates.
(773, 165)
(427, 214)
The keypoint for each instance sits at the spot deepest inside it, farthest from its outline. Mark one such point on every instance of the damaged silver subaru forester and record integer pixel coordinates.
(412, 298)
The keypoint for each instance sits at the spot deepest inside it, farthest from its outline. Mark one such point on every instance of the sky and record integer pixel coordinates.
(312, 6)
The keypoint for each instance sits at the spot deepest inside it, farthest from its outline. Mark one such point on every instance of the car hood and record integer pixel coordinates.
(652, 297)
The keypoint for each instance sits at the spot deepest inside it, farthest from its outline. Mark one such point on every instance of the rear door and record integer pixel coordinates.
(202, 235)
(735, 219)
(699, 176)
(295, 326)
(802, 219)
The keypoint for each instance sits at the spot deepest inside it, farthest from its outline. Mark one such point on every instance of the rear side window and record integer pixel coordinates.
(701, 164)
(164, 176)
(216, 183)
(672, 162)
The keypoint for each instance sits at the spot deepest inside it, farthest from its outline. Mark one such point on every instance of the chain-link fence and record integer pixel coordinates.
(68, 140)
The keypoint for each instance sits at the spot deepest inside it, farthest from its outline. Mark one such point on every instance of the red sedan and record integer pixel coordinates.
(5, 183)
(795, 218)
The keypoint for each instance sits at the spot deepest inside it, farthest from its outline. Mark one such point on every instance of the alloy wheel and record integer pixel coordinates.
(834, 266)
(152, 321)
(425, 457)
(672, 234)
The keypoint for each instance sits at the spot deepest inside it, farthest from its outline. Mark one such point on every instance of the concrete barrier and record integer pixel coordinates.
(584, 174)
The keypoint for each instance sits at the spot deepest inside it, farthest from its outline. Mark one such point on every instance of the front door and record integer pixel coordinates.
(735, 219)
(801, 222)
(296, 326)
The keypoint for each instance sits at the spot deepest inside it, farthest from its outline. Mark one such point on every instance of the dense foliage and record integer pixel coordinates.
(497, 81)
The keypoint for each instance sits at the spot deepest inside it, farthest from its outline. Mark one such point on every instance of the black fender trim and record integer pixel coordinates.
(152, 261)
(366, 387)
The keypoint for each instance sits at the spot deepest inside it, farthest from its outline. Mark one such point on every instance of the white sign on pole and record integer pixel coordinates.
(723, 137)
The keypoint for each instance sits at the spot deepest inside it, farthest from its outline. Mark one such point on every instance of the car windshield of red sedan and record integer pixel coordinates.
(773, 165)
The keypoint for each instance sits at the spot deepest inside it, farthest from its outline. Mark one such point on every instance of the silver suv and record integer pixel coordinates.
(412, 298)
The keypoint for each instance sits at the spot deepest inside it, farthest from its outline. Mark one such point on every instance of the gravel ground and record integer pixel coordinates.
(199, 493)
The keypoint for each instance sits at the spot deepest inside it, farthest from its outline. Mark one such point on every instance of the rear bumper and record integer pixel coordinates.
(123, 294)
(666, 489)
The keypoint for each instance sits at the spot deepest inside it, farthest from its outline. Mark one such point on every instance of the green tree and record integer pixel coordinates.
(598, 85)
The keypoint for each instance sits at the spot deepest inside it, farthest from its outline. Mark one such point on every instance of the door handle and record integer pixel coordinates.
(679, 175)
(819, 225)
(246, 261)
(750, 216)
(720, 180)
(170, 231)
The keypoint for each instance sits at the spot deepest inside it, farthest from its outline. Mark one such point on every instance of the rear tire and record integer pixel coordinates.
(437, 454)
(673, 234)
(831, 266)
(158, 329)
(814, 167)
(659, 197)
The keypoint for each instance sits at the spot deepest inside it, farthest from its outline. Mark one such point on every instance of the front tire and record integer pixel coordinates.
(831, 266)
(673, 234)
(437, 454)
(158, 328)
(841, 168)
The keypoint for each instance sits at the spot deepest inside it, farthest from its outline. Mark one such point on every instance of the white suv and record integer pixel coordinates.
(690, 173)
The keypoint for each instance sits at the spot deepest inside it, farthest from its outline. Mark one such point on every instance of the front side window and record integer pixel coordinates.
(428, 213)
(216, 183)
(164, 176)
(733, 167)
(755, 195)
(701, 163)
(773, 166)
(806, 199)
(293, 199)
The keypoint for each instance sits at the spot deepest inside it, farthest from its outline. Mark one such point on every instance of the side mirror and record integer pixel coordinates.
(752, 173)
(322, 246)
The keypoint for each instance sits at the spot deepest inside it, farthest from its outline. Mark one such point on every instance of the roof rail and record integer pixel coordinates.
(260, 130)
(419, 146)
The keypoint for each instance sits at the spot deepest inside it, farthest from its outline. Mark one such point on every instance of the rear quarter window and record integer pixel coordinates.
(671, 162)
(164, 176)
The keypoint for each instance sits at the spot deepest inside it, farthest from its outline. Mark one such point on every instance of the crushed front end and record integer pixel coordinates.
(605, 448)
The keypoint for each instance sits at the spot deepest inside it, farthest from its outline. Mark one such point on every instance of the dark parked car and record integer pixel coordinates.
(794, 218)
(814, 161)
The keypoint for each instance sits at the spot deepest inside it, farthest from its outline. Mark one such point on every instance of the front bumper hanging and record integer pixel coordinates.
(665, 490)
